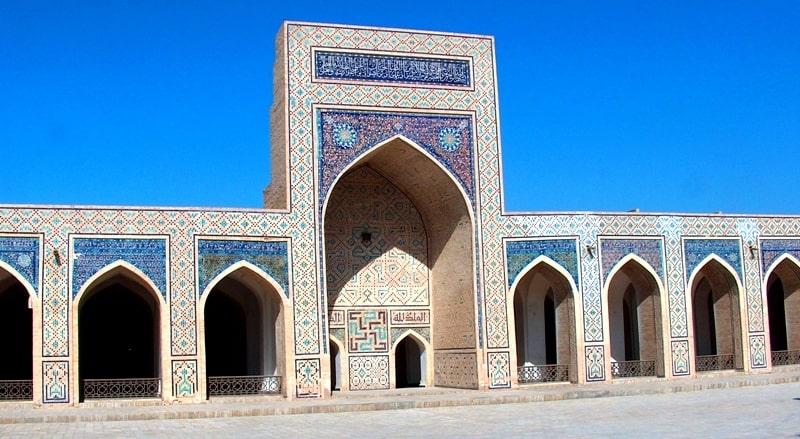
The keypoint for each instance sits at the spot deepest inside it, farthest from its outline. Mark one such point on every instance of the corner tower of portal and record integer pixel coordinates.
(385, 145)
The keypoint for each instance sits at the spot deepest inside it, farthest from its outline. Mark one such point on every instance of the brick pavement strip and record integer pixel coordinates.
(745, 404)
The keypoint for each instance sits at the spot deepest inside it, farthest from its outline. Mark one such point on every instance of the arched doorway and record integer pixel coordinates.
(242, 315)
(119, 338)
(409, 363)
(16, 343)
(634, 321)
(783, 306)
(544, 326)
(717, 320)
(399, 241)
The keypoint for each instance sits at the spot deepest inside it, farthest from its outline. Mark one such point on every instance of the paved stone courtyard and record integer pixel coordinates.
(759, 411)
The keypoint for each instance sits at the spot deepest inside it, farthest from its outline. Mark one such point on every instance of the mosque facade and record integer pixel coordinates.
(383, 258)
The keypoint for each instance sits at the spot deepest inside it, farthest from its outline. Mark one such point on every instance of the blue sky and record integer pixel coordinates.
(604, 106)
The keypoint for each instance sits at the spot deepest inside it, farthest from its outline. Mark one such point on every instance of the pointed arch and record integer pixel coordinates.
(632, 257)
(543, 259)
(446, 223)
(365, 156)
(405, 363)
(716, 313)
(124, 269)
(781, 293)
(117, 345)
(16, 275)
(244, 266)
(713, 257)
(243, 334)
(633, 305)
(541, 310)
(19, 310)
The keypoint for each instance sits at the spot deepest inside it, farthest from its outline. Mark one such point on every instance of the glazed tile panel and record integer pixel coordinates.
(21, 253)
(215, 255)
(391, 69)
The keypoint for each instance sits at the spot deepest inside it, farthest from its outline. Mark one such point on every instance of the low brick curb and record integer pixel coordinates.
(11, 413)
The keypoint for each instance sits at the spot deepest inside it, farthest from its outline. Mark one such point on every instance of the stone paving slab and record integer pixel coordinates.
(380, 400)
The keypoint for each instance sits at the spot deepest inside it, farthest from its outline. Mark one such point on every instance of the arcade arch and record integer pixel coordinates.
(243, 332)
(399, 237)
(716, 315)
(544, 324)
(783, 307)
(119, 336)
(633, 298)
(16, 344)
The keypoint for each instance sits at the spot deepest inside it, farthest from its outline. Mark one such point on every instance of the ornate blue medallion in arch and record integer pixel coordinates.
(520, 253)
(345, 134)
(773, 248)
(215, 255)
(695, 250)
(91, 254)
(612, 250)
(22, 254)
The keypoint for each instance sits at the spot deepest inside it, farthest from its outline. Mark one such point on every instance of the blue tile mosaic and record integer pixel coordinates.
(650, 250)
(22, 254)
(346, 134)
(92, 254)
(772, 249)
(696, 250)
(215, 256)
(521, 253)
(391, 69)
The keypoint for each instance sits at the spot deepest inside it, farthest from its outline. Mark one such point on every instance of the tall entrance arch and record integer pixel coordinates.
(716, 318)
(635, 323)
(243, 335)
(783, 307)
(544, 326)
(16, 343)
(399, 255)
(119, 337)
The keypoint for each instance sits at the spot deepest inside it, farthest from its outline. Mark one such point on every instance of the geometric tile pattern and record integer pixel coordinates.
(680, 357)
(368, 372)
(499, 364)
(89, 255)
(612, 250)
(595, 363)
(371, 67)
(563, 251)
(345, 134)
(22, 254)
(55, 379)
(389, 269)
(456, 369)
(367, 331)
(184, 378)
(758, 351)
(309, 378)
(216, 255)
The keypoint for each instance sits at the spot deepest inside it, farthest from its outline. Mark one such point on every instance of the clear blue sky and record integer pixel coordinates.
(604, 106)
